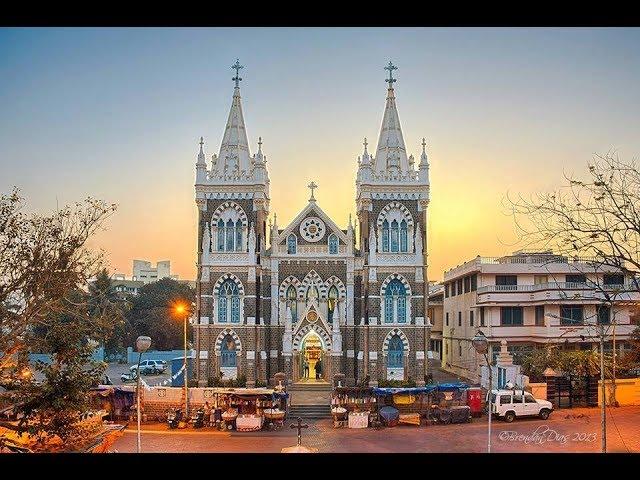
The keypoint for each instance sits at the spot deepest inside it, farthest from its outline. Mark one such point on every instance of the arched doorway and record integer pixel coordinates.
(228, 357)
(395, 359)
(311, 357)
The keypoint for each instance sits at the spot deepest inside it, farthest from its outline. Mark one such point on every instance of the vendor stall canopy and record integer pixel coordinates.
(441, 387)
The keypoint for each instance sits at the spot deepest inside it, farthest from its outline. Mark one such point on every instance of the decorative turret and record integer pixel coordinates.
(424, 164)
(259, 164)
(201, 165)
(364, 164)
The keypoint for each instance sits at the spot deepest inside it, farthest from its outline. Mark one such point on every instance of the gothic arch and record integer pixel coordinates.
(227, 276)
(393, 332)
(392, 206)
(312, 278)
(322, 333)
(290, 280)
(229, 205)
(335, 281)
(222, 335)
(393, 276)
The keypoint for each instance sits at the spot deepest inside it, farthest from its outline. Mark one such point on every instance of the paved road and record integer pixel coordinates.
(576, 430)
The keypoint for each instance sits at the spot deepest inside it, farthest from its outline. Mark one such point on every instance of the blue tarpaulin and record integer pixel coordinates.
(441, 387)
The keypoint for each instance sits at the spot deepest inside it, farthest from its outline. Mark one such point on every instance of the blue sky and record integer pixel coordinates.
(117, 113)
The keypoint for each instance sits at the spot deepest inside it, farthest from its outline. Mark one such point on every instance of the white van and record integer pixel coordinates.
(509, 404)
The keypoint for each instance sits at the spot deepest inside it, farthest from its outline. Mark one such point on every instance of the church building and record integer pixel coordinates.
(312, 299)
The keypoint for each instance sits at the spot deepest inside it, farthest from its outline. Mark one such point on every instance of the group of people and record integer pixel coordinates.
(318, 368)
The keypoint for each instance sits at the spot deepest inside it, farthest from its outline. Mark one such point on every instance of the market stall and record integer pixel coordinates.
(443, 402)
(115, 400)
(352, 406)
(249, 409)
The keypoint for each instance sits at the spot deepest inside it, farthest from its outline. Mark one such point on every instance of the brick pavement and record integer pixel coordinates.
(575, 430)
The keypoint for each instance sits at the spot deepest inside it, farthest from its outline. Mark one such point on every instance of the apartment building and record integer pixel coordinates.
(532, 299)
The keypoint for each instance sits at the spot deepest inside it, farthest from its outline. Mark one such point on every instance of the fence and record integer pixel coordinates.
(98, 356)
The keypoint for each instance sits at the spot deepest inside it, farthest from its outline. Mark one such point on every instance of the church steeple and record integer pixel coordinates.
(391, 153)
(234, 156)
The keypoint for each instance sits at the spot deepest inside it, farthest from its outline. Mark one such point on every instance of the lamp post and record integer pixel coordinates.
(481, 345)
(182, 310)
(142, 345)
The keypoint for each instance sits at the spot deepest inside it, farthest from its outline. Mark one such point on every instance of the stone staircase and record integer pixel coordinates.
(309, 411)
(309, 400)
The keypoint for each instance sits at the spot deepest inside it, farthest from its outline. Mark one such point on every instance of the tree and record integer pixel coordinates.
(104, 301)
(597, 218)
(151, 313)
(45, 266)
(42, 258)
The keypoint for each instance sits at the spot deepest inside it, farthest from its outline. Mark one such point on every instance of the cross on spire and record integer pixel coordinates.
(312, 186)
(201, 141)
(237, 67)
(391, 67)
(299, 427)
(424, 144)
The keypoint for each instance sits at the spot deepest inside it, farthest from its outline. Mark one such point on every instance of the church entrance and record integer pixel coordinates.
(311, 363)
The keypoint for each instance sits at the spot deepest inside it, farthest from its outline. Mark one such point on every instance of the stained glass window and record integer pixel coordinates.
(291, 300)
(394, 236)
(292, 242)
(395, 355)
(333, 244)
(230, 236)
(238, 235)
(403, 236)
(220, 236)
(385, 236)
(228, 296)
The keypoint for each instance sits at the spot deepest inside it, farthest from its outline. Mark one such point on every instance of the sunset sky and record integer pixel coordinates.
(117, 114)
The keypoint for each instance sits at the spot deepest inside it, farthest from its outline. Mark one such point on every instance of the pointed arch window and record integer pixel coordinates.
(313, 293)
(395, 355)
(292, 302)
(332, 300)
(394, 236)
(403, 236)
(333, 244)
(239, 235)
(385, 236)
(395, 302)
(220, 236)
(228, 302)
(230, 235)
(292, 244)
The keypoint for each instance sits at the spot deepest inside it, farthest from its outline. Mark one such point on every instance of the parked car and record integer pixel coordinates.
(151, 367)
(510, 404)
(129, 377)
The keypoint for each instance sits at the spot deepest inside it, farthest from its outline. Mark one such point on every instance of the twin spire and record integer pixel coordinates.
(391, 160)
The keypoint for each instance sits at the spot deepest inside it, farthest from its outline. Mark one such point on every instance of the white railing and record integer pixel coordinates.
(555, 286)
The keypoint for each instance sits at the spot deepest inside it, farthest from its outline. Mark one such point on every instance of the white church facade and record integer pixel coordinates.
(302, 299)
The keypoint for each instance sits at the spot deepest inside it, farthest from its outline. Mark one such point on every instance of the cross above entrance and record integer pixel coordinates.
(312, 186)
(299, 426)
(391, 67)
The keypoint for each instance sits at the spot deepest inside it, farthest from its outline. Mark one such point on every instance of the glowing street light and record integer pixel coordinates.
(181, 310)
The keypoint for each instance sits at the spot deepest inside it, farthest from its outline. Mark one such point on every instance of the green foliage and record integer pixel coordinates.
(105, 301)
(217, 381)
(151, 313)
(576, 362)
(409, 383)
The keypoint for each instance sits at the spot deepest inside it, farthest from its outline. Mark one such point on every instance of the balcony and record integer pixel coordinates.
(555, 291)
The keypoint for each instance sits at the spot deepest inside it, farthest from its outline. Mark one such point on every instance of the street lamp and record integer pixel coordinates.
(142, 345)
(181, 310)
(481, 345)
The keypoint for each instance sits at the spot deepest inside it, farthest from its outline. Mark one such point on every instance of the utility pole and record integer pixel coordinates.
(603, 406)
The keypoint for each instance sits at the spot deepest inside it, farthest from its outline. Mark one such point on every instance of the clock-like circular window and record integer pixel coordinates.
(312, 229)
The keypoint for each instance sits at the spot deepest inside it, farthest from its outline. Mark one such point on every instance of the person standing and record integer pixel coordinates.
(319, 369)
(306, 368)
(208, 413)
